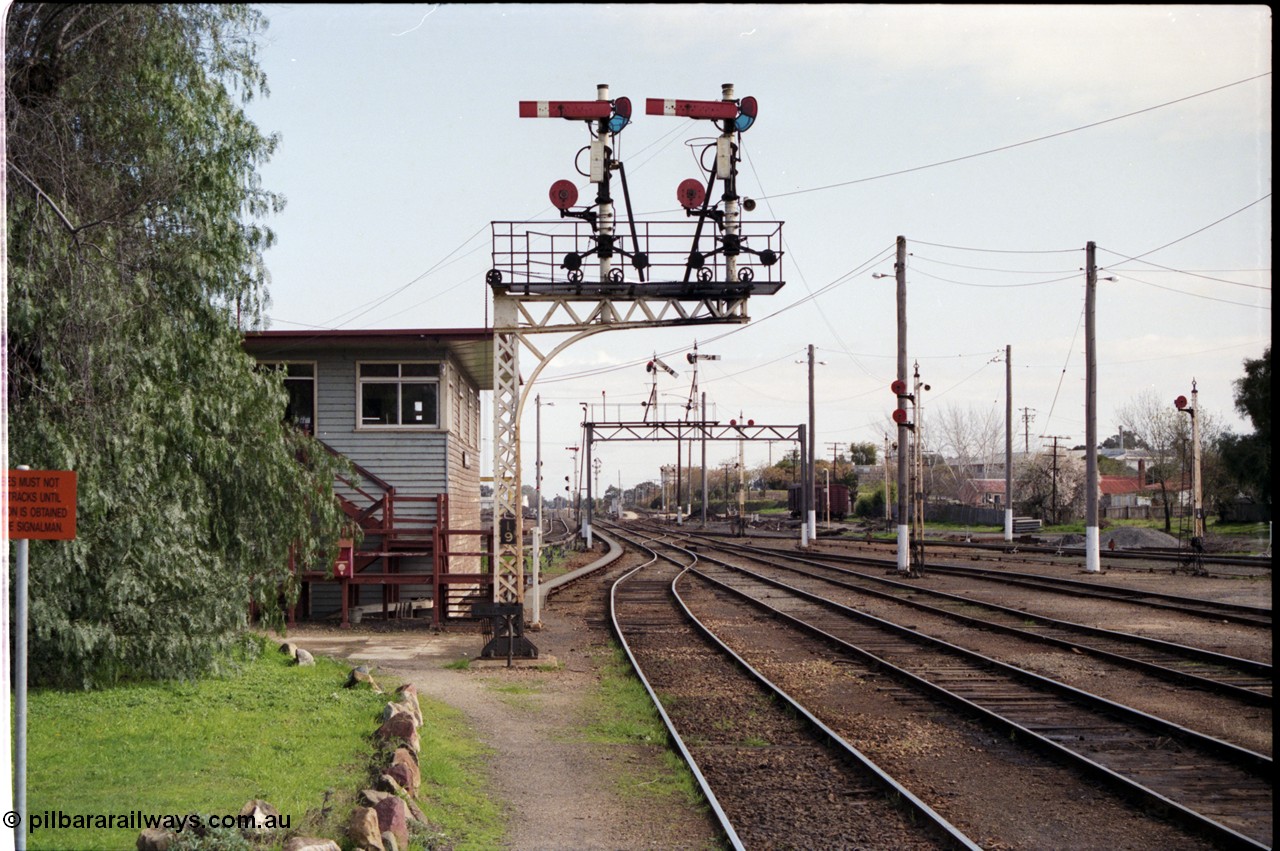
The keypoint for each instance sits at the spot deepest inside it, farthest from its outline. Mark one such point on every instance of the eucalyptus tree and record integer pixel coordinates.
(135, 241)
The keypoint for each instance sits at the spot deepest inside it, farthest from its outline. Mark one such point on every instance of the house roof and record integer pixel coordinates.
(1115, 485)
(471, 347)
(986, 485)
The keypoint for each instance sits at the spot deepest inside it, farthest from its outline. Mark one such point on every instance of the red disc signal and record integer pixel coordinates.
(900, 416)
(1180, 403)
(751, 422)
(899, 388)
(563, 194)
(690, 193)
(733, 422)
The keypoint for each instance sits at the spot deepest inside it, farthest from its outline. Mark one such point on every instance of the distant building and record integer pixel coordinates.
(983, 493)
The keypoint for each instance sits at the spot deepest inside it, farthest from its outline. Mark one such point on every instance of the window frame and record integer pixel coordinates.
(399, 380)
(313, 378)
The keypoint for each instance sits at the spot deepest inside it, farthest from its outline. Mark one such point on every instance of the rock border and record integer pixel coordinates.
(382, 822)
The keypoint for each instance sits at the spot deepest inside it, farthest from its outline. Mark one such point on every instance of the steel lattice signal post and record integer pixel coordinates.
(681, 273)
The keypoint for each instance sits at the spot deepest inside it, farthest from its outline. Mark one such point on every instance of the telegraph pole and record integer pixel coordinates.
(1092, 553)
(1053, 506)
(1028, 416)
(904, 531)
(704, 460)
(810, 509)
(1008, 443)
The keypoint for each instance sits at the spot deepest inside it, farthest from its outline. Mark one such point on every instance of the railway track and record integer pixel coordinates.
(730, 723)
(1021, 552)
(1195, 607)
(1216, 789)
(1245, 680)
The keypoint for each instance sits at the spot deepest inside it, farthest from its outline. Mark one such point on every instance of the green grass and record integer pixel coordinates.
(555, 562)
(273, 731)
(623, 714)
(518, 695)
(454, 795)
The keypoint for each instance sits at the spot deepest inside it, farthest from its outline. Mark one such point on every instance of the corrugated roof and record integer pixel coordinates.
(472, 347)
(1113, 485)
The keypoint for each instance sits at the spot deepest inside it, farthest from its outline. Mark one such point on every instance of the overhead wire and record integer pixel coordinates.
(1124, 277)
(1010, 147)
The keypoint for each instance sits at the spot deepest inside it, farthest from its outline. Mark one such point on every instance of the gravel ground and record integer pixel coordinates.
(562, 792)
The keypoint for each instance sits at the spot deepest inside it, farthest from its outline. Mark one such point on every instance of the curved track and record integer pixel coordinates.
(729, 722)
(1216, 789)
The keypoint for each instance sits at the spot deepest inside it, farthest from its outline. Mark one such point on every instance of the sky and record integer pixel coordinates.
(998, 140)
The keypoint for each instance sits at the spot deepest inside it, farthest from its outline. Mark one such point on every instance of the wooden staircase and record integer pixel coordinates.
(392, 528)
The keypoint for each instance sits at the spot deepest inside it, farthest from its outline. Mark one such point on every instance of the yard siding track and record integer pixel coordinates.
(1245, 680)
(1215, 788)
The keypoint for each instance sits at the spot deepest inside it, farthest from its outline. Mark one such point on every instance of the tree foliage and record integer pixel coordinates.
(1248, 457)
(135, 254)
(1054, 492)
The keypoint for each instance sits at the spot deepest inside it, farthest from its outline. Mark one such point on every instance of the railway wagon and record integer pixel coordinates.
(839, 495)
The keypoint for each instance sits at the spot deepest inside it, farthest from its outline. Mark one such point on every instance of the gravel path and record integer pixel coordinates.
(561, 792)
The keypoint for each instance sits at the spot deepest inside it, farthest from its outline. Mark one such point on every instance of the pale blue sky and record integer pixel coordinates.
(400, 142)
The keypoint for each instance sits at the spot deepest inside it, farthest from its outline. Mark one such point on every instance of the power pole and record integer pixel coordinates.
(835, 459)
(1028, 417)
(704, 460)
(904, 531)
(1008, 443)
(1053, 505)
(1092, 553)
(810, 508)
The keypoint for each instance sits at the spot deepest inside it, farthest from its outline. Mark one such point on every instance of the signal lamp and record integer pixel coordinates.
(690, 193)
(621, 115)
(572, 262)
(563, 194)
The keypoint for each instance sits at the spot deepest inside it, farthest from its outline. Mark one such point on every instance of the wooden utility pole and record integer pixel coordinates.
(904, 531)
(810, 508)
(1008, 443)
(1028, 414)
(1053, 505)
(1092, 552)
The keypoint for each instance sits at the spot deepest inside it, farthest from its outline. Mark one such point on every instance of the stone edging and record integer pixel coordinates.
(381, 821)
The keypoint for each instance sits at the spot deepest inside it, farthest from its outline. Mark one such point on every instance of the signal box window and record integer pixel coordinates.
(300, 384)
(399, 395)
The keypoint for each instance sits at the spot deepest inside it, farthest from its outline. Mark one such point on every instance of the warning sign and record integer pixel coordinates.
(42, 504)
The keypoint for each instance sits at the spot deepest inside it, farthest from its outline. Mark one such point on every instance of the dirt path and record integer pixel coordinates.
(561, 792)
